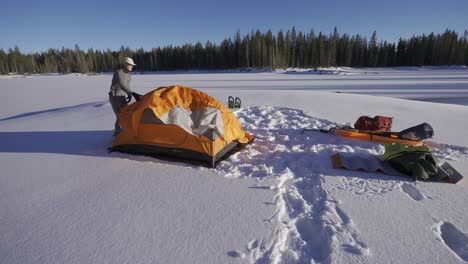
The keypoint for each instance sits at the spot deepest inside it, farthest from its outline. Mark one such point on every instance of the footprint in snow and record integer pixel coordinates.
(454, 239)
(236, 254)
(252, 245)
(250, 251)
(412, 192)
(317, 238)
(347, 233)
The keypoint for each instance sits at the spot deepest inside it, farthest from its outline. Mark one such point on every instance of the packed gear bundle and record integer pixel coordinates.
(419, 132)
(414, 161)
(379, 129)
(419, 163)
(405, 154)
(376, 124)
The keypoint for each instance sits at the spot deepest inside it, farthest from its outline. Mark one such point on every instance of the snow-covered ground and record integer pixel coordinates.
(64, 199)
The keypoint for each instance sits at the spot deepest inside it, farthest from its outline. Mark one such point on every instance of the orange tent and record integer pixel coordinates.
(180, 122)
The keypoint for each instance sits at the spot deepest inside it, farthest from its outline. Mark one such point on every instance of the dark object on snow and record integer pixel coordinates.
(376, 124)
(323, 130)
(419, 165)
(449, 174)
(419, 132)
(234, 103)
(416, 162)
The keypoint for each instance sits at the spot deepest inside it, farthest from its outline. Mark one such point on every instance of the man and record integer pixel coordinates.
(120, 93)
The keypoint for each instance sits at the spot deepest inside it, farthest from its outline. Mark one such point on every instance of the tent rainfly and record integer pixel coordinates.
(180, 122)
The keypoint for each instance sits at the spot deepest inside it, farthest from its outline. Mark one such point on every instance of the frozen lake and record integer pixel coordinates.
(64, 199)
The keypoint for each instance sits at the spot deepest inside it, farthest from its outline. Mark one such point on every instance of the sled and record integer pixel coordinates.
(389, 137)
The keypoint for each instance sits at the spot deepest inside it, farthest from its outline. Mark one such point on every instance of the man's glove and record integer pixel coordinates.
(136, 96)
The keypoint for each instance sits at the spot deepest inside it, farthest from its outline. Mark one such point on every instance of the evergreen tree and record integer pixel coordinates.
(270, 50)
(237, 49)
(373, 50)
(401, 53)
(333, 47)
(3, 62)
(321, 52)
(280, 47)
(246, 51)
(287, 49)
(293, 48)
(465, 41)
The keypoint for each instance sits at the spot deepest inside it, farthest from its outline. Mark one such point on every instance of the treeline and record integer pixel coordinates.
(254, 50)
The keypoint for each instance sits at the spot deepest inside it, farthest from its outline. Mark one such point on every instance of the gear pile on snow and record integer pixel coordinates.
(405, 151)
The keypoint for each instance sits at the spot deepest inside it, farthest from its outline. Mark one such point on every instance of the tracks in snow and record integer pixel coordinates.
(311, 224)
(453, 238)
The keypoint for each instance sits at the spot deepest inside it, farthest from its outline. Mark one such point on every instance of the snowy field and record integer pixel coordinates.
(64, 199)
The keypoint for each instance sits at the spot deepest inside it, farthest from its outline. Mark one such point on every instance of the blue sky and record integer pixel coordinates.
(36, 25)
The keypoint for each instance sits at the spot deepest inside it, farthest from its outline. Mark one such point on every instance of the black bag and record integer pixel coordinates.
(419, 165)
(414, 161)
(419, 132)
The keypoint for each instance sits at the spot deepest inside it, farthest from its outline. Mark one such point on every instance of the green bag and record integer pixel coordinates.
(416, 162)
